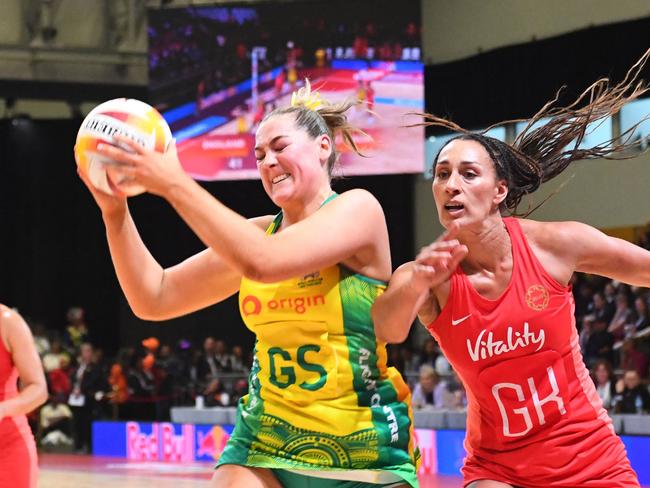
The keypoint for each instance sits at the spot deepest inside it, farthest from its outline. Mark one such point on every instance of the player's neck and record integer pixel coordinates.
(489, 246)
(298, 210)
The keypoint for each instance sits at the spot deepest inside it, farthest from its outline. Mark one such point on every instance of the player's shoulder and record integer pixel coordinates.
(360, 206)
(8, 316)
(553, 236)
(360, 198)
(12, 325)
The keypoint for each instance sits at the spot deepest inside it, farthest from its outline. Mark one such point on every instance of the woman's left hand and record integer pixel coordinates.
(157, 172)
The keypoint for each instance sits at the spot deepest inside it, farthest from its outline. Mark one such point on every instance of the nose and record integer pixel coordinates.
(452, 183)
(269, 160)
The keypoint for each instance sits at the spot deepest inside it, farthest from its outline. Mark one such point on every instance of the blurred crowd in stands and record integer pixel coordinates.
(142, 382)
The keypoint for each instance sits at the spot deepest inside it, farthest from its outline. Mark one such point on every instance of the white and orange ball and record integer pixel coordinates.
(126, 117)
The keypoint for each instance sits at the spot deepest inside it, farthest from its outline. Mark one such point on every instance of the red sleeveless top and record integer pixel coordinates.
(532, 406)
(8, 371)
(18, 458)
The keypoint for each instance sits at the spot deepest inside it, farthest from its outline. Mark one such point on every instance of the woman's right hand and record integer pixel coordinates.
(435, 262)
(110, 205)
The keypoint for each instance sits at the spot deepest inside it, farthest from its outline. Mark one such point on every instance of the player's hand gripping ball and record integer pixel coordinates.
(125, 117)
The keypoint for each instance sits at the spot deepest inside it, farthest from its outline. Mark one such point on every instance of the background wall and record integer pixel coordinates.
(455, 29)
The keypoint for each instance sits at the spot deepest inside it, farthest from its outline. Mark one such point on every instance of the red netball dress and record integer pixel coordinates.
(18, 461)
(534, 418)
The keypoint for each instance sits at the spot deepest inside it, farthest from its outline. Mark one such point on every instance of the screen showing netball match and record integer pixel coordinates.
(216, 71)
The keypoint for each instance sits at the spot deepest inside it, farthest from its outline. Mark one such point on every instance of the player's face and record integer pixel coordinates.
(465, 185)
(291, 163)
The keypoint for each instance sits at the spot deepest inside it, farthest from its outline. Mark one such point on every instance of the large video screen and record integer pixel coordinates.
(215, 71)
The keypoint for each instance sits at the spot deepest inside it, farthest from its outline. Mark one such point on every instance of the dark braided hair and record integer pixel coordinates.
(539, 154)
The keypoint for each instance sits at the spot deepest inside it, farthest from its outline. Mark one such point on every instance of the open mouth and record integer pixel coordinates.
(280, 178)
(454, 207)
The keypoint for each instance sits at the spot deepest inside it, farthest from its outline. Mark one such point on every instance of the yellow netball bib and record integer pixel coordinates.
(320, 394)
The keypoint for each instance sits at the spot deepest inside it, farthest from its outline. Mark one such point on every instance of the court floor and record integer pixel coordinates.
(68, 471)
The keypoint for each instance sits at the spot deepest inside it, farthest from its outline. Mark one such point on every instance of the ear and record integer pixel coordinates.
(325, 147)
(500, 192)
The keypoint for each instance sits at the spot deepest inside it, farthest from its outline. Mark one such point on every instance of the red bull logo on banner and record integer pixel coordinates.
(182, 443)
(211, 443)
(167, 442)
(162, 444)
